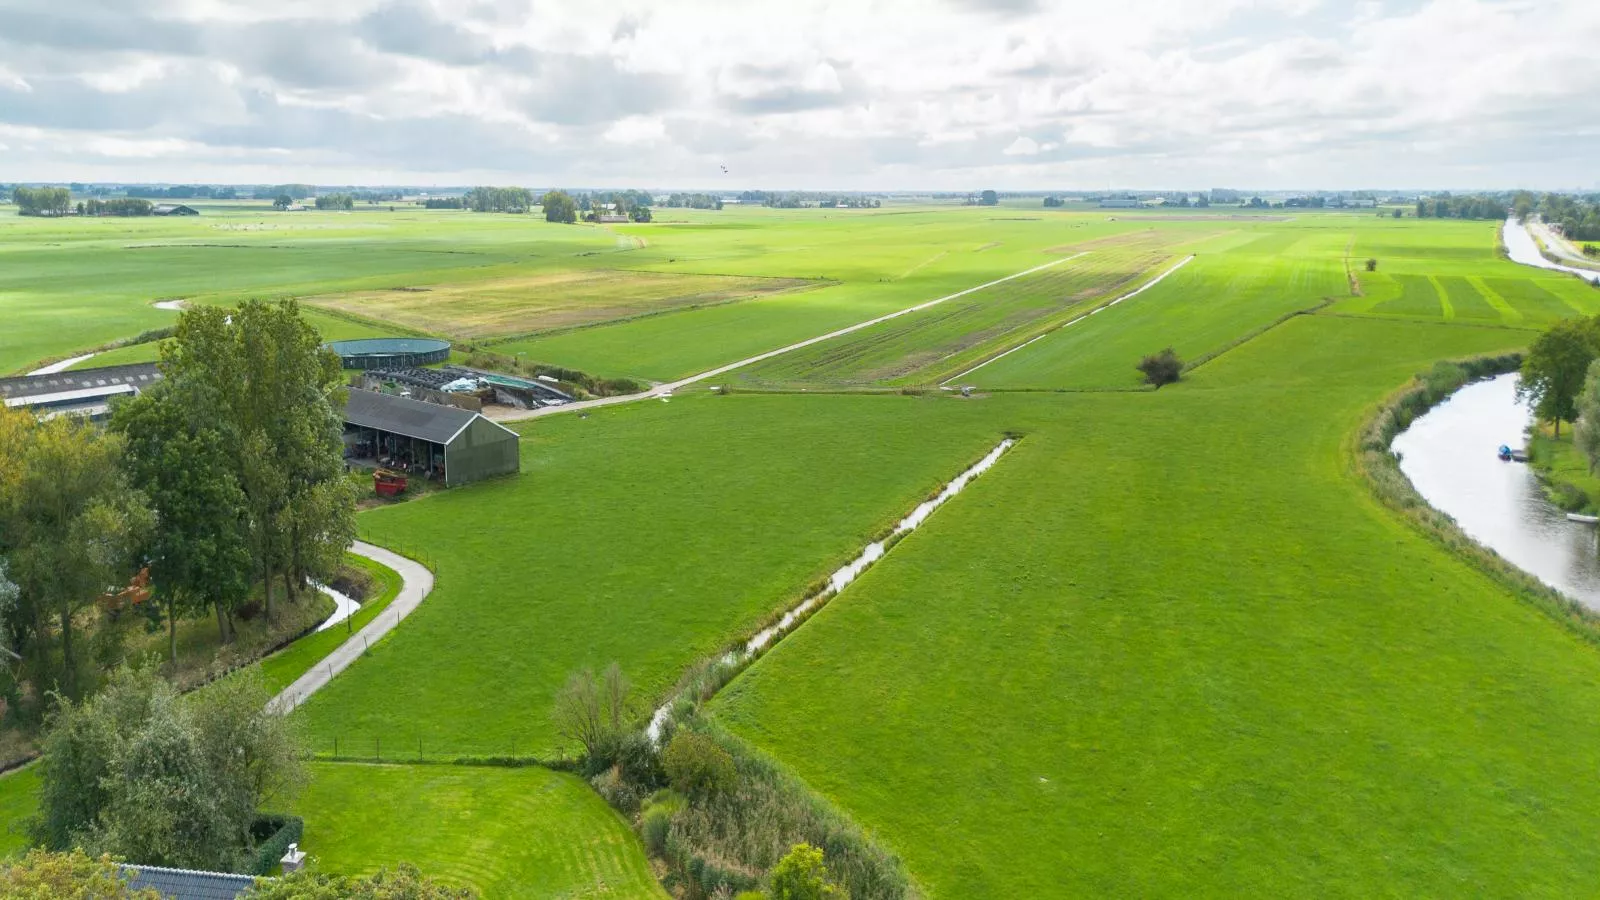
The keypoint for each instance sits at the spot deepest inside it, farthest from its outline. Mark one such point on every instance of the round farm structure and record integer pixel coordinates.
(390, 353)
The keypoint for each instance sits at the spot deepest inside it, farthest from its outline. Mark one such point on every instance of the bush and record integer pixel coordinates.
(801, 876)
(1372, 265)
(67, 876)
(654, 827)
(273, 835)
(697, 766)
(1161, 368)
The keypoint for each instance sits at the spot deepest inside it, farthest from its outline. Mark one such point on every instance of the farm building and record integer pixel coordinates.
(455, 445)
(173, 209)
(390, 353)
(1119, 203)
(81, 392)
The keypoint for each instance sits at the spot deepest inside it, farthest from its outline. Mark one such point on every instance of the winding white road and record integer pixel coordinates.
(416, 582)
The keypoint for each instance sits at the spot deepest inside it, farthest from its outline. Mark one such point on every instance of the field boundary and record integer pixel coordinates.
(809, 285)
(1068, 324)
(1249, 336)
(665, 390)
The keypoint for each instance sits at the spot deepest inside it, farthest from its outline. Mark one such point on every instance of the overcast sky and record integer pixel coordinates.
(899, 94)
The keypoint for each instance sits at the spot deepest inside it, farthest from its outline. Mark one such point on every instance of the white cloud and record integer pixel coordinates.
(889, 94)
(636, 130)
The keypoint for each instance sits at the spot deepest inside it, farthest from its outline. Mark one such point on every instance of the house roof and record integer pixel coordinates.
(102, 380)
(188, 884)
(402, 415)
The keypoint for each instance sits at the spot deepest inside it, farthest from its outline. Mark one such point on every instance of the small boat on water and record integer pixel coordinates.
(1580, 517)
(1512, 454)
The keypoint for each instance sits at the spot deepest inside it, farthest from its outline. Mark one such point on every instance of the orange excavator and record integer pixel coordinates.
(130, 597)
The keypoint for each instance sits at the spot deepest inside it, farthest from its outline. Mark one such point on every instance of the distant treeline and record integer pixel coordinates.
(1477, 206)
(183, 192)
(444, 203)
(44, 201)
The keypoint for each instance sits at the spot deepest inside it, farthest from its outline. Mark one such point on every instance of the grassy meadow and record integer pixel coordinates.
(1170, 645)
(651, 535)
(19, 797)
(504, 832)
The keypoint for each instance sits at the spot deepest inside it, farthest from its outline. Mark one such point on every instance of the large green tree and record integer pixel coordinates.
(1586, 426)
(69, 528)
(559, 207)
(143, 774)
(1554, 369)
(179, 453)
(262, 373)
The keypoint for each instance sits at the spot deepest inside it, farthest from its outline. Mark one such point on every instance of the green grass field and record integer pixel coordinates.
(523, 832)
(1169, 646)
(650, 535)
(1162, 654)
(19, 799)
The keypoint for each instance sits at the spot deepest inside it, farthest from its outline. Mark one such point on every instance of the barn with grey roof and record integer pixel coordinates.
(456, 445)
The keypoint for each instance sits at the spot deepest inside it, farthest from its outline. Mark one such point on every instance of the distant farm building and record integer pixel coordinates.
(454, 445)
(1119, 203)
(83, 392)
(390, 353)
(173, 209)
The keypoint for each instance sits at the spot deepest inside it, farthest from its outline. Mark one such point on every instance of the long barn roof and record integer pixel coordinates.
(402, 415)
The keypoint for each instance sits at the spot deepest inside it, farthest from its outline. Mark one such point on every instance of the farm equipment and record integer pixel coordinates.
(388, 483)
(130, 597)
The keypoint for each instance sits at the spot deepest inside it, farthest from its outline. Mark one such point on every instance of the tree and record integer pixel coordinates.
(1372, 265)
(594, 712)
(178, 454)
(988, 198)
(283, 202)
(640, 214)
(1586, 426)
(70, 525)
(1161, 368)
(73, 875)
(402, 883)
(801, 875)
(559, 207)
(1554, 368)
(275, 394)
(140, 773)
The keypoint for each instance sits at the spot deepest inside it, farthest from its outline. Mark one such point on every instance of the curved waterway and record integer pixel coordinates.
(1522, 248)
(1449, 455)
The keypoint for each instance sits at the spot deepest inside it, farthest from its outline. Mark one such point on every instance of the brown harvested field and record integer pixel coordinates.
(545, 301)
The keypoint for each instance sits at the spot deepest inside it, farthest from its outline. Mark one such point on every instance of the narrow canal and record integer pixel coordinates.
(1449, 455)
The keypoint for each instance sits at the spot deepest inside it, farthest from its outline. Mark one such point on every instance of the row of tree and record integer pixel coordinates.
(116, 206)
(693, 201)
(336, 201)
(42, 201)
(1476, 206)
(499, 199)
(226, 473)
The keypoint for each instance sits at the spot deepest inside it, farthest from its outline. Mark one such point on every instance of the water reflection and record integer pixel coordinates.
(1449, 454)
